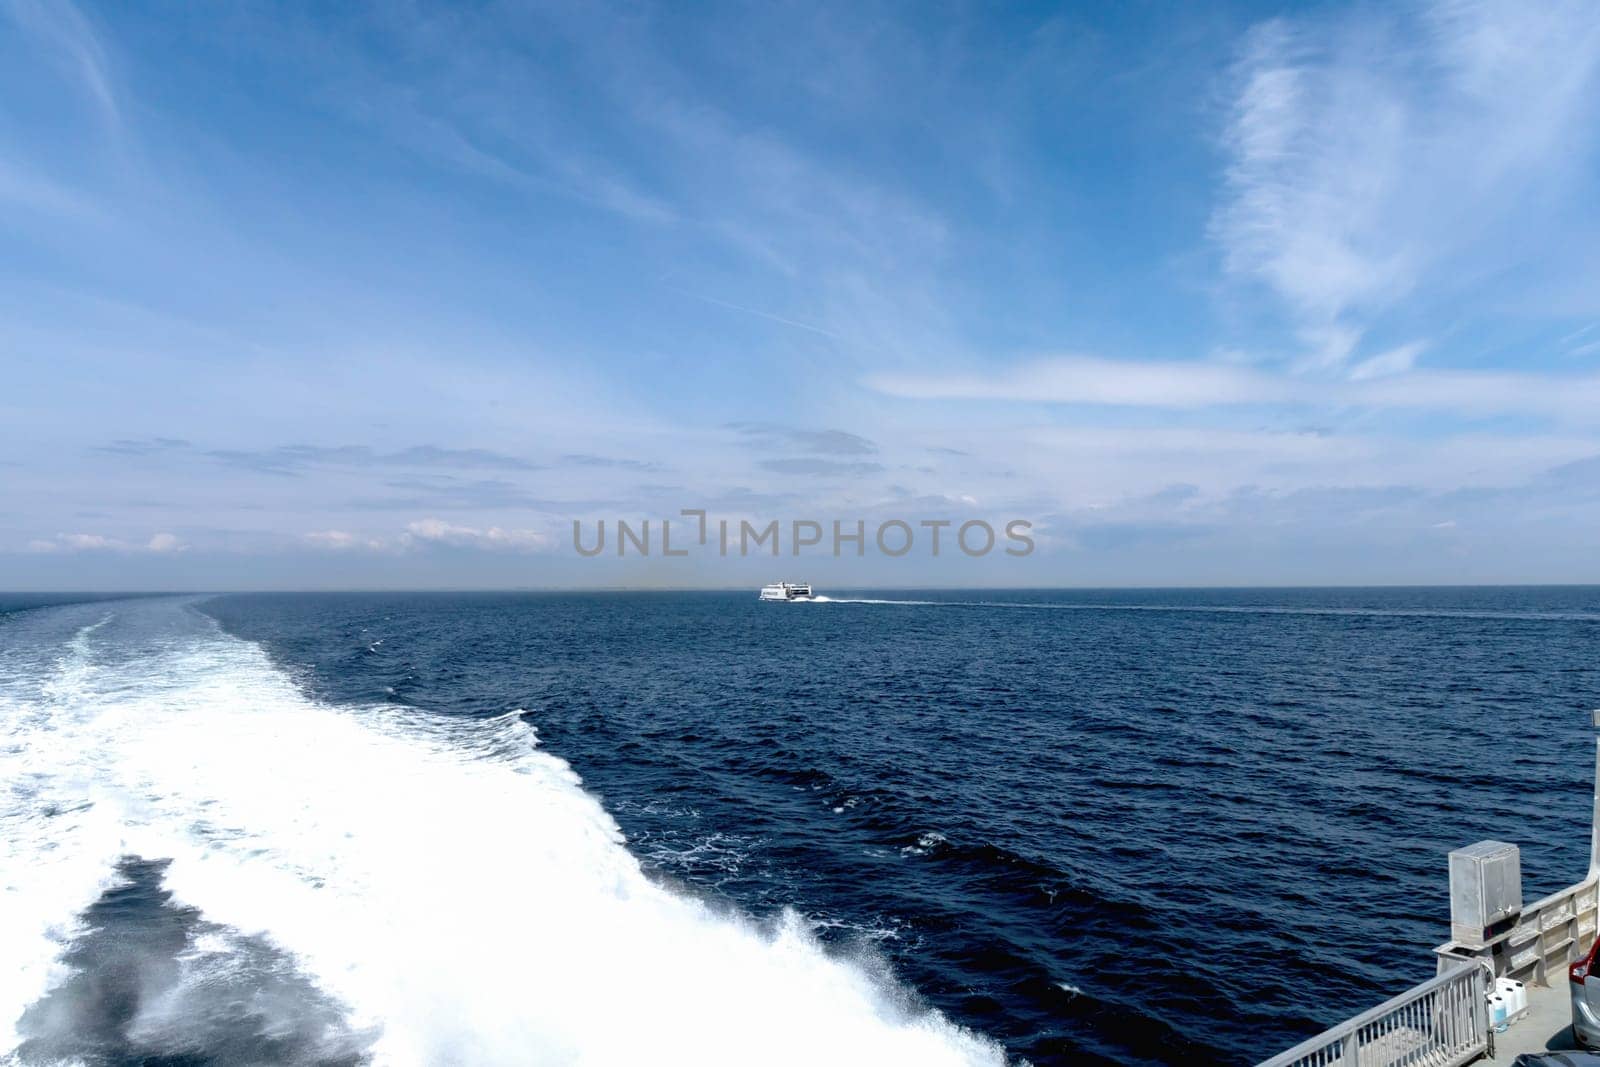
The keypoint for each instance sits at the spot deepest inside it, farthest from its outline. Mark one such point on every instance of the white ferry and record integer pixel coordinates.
(786, 591)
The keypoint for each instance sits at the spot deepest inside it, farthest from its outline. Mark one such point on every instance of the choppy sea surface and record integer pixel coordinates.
(942, 827)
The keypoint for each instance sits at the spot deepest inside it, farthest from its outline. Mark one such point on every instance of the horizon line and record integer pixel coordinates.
(842, 588)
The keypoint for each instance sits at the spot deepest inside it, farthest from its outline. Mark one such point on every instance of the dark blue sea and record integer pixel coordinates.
(1054, 827)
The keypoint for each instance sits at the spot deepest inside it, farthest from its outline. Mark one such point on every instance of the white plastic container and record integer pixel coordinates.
(1515, 995)
(1497, 1011)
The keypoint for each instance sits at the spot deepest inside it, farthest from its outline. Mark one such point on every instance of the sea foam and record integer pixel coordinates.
(444, 880)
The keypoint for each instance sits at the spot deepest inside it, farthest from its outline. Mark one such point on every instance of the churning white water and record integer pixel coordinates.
(446, 882)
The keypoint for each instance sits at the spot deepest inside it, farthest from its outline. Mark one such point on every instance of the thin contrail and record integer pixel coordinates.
(760, 314)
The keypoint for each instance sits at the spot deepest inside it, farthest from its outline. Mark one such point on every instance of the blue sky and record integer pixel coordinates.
(347, 295)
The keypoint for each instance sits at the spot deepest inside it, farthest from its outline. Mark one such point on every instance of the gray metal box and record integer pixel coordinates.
(1485, 889)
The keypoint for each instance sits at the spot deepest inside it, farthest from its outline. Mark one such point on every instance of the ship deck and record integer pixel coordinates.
(1547, 1026)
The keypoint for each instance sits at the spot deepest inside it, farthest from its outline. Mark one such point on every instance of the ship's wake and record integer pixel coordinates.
(311, 883)
(866, 600)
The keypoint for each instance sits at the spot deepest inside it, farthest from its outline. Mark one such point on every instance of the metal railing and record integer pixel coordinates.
(1441, 1023)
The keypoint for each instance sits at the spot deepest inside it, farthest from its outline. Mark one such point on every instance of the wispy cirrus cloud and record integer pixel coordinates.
(1397, 360)
(38, 193)
(1382, 156)
(852, 256)
(822, 442)
(819, 467)
(291, 459)
(1081, 379)
(585, 459)
(63, 29)
(447, 492)
(143, 446)
(428, 126)
(1387, 381)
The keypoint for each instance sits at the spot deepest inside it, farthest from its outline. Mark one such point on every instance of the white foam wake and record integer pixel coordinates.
(447, 881)
(865, 600)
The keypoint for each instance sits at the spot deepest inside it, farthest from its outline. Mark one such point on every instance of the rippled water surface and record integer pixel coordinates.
(1151, 827)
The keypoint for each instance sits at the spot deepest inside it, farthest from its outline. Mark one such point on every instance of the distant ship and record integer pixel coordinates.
(786, 591)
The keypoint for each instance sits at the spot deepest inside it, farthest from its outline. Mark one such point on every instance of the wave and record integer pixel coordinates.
(1265, 609)
(1241, 609)
(446, 882)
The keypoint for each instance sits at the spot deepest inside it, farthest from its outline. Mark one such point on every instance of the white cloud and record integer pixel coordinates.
(1480, 393)
(343, 540)
(1375, 155)
(82, 542)
(432, 531)
(1304, 191)
(93, 542)
(1383, 382)
(1093, 380)
(1394, 361)
(1108, 461)
(438, 531)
